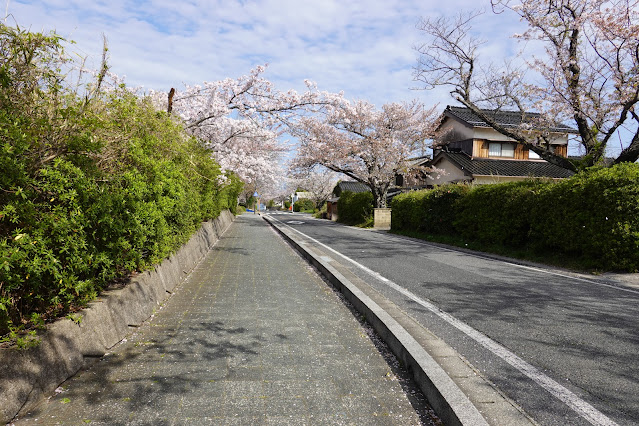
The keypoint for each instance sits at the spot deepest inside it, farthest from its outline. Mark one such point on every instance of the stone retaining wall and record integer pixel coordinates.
(28, 375)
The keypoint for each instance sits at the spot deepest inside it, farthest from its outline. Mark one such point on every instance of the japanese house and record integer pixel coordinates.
(470, 150)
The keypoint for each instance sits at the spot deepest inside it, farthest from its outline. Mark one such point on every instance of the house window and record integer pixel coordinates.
(532, 155)
(508, 150)
(496, 149)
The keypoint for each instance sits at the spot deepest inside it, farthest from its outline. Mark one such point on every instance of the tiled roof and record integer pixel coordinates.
(351, 186)
(492, 167)
(417, 161)
(505, 118)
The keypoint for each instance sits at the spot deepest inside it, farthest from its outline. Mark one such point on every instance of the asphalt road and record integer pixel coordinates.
(564, 347)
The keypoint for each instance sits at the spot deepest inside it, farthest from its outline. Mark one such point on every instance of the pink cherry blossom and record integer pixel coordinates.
(366, 144)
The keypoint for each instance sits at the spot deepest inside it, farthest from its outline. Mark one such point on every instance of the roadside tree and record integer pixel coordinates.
(369, 145)
(318, 182)
(589, 74)
(240, 120)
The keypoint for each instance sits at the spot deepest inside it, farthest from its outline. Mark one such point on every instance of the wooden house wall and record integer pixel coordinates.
(480, 150)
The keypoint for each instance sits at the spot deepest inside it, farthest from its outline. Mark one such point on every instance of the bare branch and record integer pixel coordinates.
(590, 73)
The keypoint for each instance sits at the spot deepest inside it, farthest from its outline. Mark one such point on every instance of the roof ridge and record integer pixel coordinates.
(506, 167)
(506, 118)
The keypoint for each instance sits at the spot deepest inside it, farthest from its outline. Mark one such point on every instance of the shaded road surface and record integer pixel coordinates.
(253, 336)
(565, 348)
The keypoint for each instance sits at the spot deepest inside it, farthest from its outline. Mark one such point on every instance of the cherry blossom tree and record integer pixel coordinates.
(319, 182)
(366, 144)
(588, 74)
(241, 121)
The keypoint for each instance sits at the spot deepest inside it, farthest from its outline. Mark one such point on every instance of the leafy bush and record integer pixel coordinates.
(408, 211)
(95, 184)
(432, 211)
(355, 208)
(321, 213)
(498, 214)
(592, 217)
(304, 205)
(441, 208)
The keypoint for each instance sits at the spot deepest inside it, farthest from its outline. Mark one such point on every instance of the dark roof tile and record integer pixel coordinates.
(351, 186)
(505, 118)
(518, 168)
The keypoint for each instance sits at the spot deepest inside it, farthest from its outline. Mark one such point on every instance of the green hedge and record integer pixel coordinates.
(593, 216)
(409, 211)
(304, 205)
(355, 208)
(92, 188)
(498, 214)
(427, 211)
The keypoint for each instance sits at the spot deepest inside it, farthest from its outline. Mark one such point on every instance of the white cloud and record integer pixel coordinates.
(363, 47)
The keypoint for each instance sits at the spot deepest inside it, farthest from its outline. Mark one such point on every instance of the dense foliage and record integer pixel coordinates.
(355, 208)
(427, 211)
(593, 216)
(498, 214)
(304, 205)
(95, 182)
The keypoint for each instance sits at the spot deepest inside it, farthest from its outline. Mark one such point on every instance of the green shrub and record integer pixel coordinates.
(593, 215)
(499, 213)
(441, 208)
(355, 208)
(304, 205)
(94, 187)
(321, 213)
(408, 211)
(431, 211)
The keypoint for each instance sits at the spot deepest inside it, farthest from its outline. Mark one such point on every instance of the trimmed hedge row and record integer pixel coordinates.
(427, 211)
(304, 204)
(354, 208)
(498, 214)
(593, 216)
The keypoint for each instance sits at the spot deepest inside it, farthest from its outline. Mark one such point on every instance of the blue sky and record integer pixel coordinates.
(361, 47)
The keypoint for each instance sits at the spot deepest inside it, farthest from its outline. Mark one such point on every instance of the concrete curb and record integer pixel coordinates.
(446, 398)
(28, 375)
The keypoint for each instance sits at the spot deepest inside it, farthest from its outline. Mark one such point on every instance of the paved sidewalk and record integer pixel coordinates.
(253, 336)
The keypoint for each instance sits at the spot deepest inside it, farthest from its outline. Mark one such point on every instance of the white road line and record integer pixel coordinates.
(578, 405)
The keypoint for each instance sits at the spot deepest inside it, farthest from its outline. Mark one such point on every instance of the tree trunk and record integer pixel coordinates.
(630, 154)
(379, 195)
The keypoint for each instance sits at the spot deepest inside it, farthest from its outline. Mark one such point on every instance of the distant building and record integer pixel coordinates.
(342, 186)
(302, 194)
(470, 150)
(352, 186)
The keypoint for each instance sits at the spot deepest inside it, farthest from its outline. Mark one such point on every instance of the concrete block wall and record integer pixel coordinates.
(28, 375)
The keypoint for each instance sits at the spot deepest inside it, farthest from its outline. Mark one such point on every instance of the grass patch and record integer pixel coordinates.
(369, 222)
